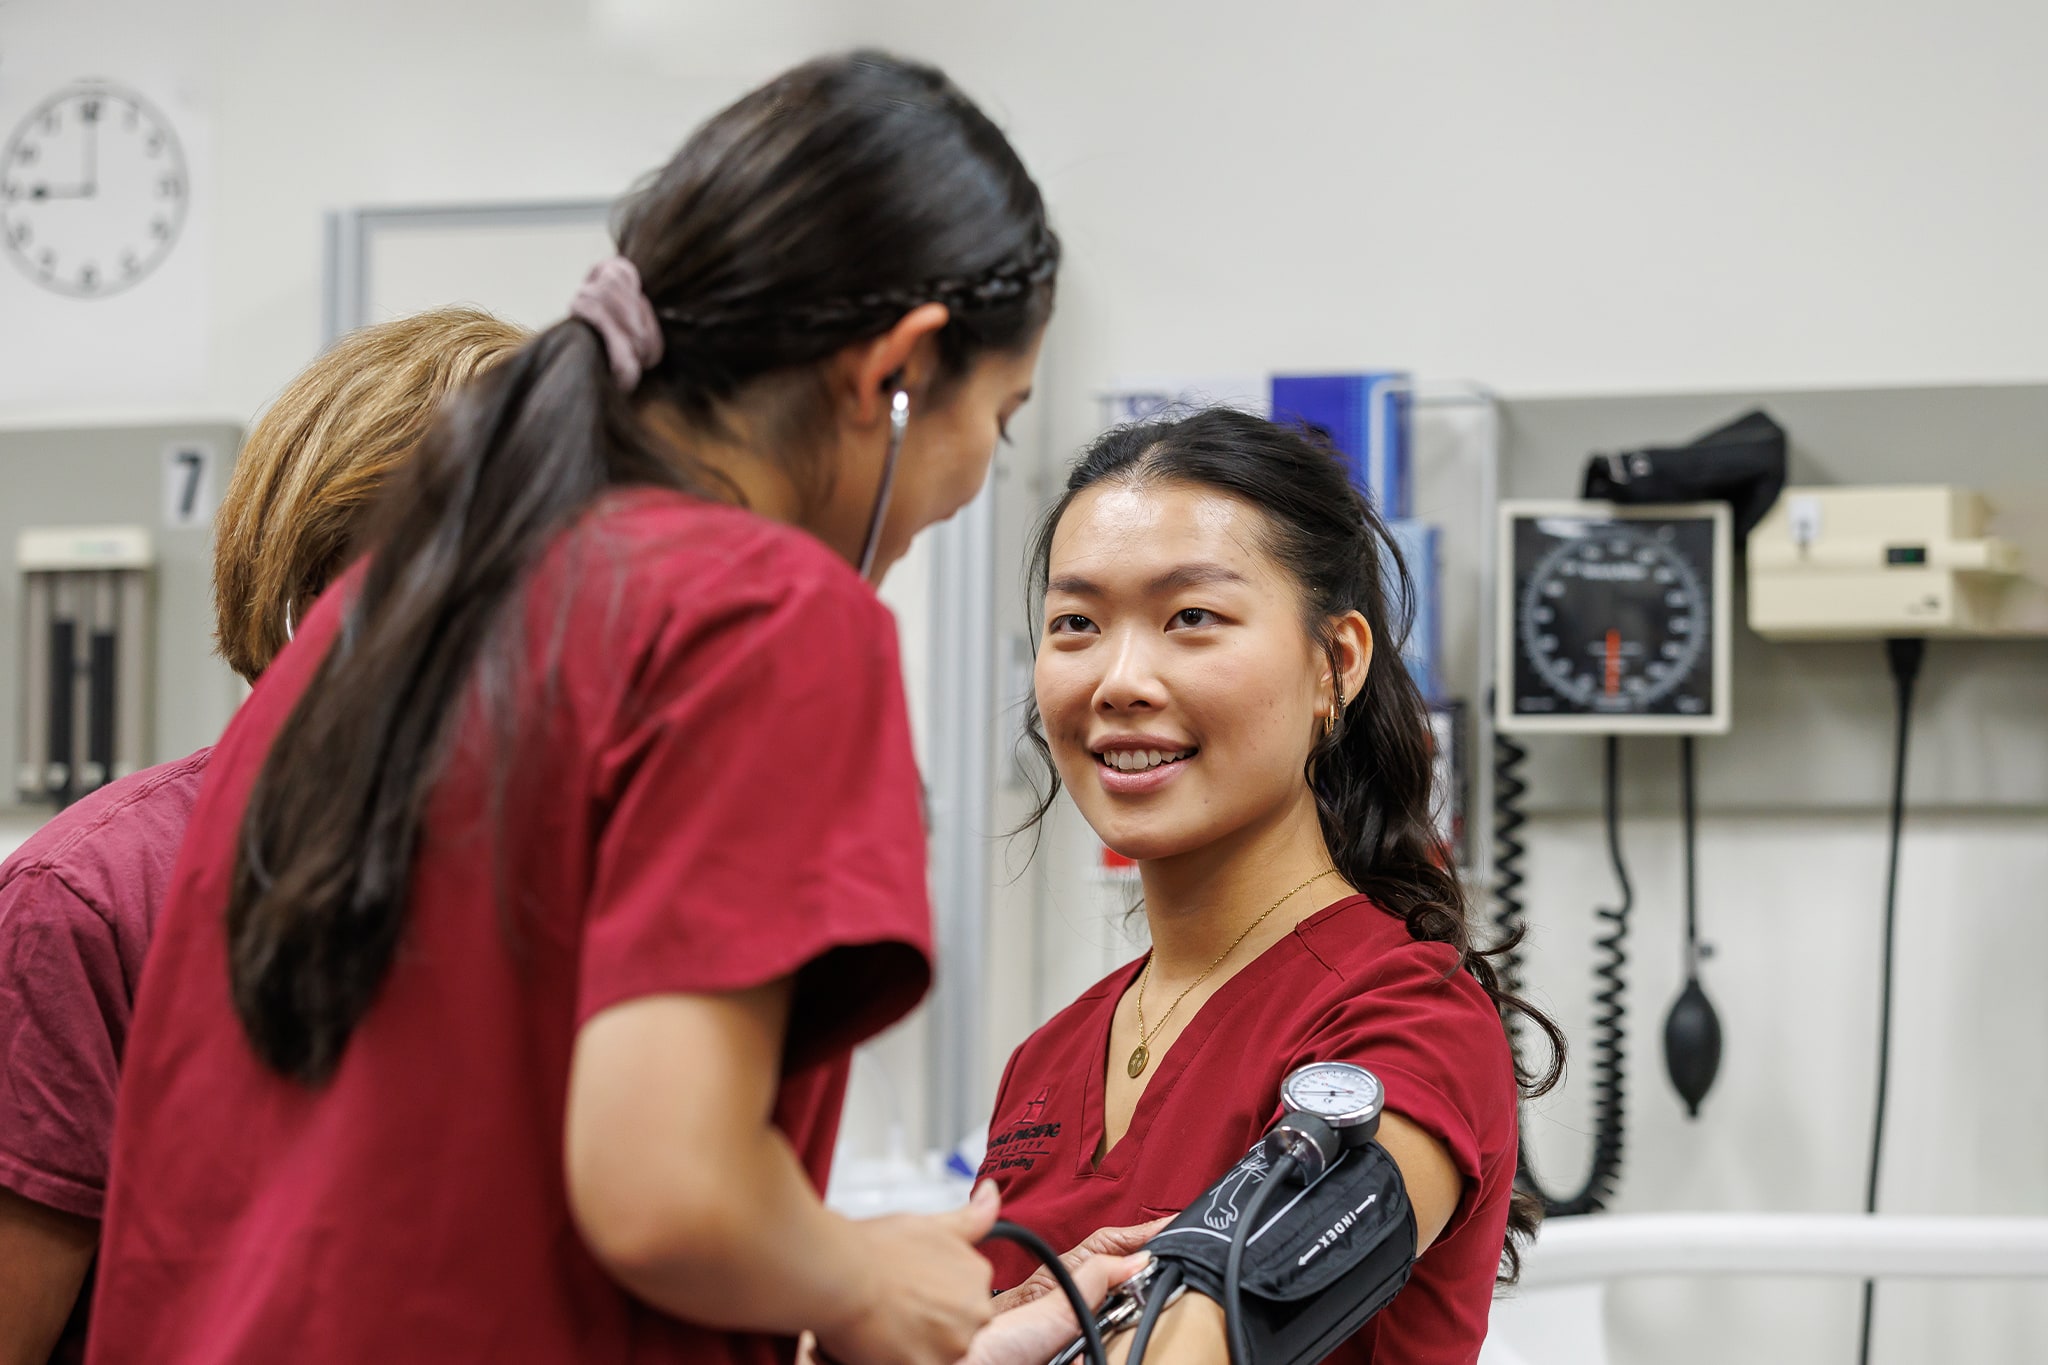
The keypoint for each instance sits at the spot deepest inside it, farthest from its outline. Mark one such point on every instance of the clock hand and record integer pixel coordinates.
(92, 149)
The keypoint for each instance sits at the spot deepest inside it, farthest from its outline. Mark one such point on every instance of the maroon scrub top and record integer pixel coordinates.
(77, 903)
(1347, 985)
(714, 789)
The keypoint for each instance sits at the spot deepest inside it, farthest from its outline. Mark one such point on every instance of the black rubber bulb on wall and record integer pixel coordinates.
(1692, 1031)
(1692, 1045)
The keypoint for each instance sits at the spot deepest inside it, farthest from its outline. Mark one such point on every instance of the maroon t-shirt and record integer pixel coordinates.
(1348, 984)
(713, 789)
(78, 901)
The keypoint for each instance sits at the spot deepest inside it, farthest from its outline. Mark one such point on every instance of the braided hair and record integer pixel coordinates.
(1003, 283)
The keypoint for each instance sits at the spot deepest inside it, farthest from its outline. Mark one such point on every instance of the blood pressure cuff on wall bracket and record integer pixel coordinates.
(1322, 1261)
(1741, 463)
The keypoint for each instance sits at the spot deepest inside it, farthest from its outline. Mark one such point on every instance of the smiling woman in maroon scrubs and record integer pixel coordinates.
(1220, 689)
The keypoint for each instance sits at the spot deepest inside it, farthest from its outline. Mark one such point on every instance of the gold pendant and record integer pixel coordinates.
(1139, 1056)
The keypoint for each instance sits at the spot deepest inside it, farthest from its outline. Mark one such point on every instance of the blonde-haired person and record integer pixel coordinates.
(319, 458)
(78, 901)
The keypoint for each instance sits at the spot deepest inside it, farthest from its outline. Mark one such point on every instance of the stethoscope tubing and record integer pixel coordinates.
(899, 418)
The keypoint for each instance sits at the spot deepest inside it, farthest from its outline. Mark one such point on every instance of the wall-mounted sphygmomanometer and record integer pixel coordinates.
(84, 711)
(1302, 1241)
(1617, 618)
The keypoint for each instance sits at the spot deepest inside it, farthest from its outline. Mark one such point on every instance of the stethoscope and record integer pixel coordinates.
(899, 418)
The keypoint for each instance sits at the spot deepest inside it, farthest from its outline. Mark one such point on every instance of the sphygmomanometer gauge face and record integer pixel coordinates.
(1617, 618)
(1614, 617)
(1338, 1093)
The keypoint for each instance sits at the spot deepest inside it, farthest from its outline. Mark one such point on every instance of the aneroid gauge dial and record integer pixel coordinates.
(1340, 1094)
(1616, 618)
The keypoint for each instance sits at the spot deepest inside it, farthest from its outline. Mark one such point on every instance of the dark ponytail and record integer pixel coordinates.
(1372, 779)
(810, 215)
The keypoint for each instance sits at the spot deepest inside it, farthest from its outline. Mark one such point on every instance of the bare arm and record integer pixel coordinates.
(44, 1254)
(1191, 1331)
(690, 1196)
(1429, 1173)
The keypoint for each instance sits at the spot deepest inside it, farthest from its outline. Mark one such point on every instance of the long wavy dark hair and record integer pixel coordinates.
(1372, 779)
(811, 214)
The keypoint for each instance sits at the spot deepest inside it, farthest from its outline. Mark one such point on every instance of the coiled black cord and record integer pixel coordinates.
(1610, 1015)
(1084, 1313)
(1508, 851)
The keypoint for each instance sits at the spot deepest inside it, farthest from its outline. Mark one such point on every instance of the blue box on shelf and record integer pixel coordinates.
(1366, 418)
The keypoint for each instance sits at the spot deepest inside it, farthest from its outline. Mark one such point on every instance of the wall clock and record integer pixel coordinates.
(93, 190)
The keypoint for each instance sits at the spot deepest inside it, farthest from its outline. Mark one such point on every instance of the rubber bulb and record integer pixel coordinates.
(1692, 1045)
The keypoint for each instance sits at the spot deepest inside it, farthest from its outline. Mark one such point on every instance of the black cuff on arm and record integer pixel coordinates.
(1323, 1260)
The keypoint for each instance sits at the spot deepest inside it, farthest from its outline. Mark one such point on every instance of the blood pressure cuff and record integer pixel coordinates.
(1322, 1261)
(1741, 463)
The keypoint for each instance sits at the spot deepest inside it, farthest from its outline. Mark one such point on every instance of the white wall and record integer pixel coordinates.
(1793, 908)
(322, 105)
(1577, 196)
(1567, 197)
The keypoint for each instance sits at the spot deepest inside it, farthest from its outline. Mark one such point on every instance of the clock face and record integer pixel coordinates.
(1333, 1091)
(1613, 616)
(93, 190)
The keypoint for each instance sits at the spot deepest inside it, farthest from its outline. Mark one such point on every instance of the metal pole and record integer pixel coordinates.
(962, 703)
(1462, 393)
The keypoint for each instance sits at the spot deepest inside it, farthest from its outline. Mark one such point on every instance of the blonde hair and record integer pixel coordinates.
(315, 463)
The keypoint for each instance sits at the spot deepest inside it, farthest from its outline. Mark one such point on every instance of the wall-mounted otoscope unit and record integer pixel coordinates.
(1884, 563)
(84, 699)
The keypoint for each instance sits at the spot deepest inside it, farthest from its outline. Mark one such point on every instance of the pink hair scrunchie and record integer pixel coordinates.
(612, 301)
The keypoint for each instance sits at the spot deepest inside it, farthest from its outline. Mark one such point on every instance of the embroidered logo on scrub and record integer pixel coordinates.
(1019, 1143)
(1222, 1212)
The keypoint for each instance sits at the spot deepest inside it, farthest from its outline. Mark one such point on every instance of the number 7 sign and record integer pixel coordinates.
(188, 484)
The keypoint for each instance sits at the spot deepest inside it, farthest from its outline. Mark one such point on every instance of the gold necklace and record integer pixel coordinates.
(1141, 1055)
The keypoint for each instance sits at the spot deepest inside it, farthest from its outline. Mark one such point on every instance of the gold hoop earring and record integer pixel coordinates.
(1330, 721)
